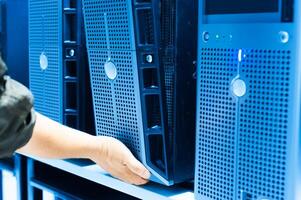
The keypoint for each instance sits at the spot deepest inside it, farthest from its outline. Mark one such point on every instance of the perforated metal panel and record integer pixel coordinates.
(127, 35)
(243, 141)
(116, 102)
(169, 89)
(167, 56)
(108, 24)
(263, 124)
(216, 152)
(45, 37)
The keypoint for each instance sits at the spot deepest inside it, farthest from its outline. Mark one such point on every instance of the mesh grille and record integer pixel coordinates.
(44, 36)
(256, 156)
(107, 24)
(169, 78)
(116, 103)
(216, 148)
(167, 54)
(168, 14)
(118, 95)
(263, 123)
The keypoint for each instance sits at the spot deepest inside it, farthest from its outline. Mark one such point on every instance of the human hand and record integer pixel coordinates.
(51, 140)
(114, 157)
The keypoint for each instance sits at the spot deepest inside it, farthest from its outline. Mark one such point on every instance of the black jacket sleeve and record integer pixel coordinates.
(17, 117)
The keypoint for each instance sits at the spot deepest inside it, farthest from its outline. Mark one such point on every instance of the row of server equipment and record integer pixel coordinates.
(58, 65)
(206, 90)
(10, 37)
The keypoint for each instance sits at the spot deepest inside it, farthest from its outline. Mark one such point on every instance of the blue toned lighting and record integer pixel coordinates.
(149, 58)
(239, 88)
(239, 55)
(284, 37)
(71, 52)
(43, 61)
(206, 36)
(110, 70)
(248, 99)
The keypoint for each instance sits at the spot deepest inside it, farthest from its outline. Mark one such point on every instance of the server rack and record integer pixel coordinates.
(248, 111)
(18, 166)
(13, 33)
(13, 28)
(141, 66)
(59, 77)
(2, 23)
(66, 186)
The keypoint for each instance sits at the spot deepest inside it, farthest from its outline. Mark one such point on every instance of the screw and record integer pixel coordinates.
(149, 58)
(71, 52)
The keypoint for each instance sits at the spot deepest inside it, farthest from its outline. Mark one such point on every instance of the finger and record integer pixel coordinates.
(124, 174)
(121, 171)
(137, 168)
(134, 178)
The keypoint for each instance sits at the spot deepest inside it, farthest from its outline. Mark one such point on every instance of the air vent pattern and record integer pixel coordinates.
(263, 123)
(116, 102)
(169, 78)
(45, 37)
(216, 131)
(167, 55)
(108, 24)
(242, 143)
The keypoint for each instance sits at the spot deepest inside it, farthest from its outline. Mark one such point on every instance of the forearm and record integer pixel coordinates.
(53, 140)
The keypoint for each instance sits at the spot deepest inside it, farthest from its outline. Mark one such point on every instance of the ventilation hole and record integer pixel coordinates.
(71, 121)
(71, 96)
(71, 69)
(156, 151)
(143, 1)
(70, 3)
(70, 27)
(153, 111)
(150, 77)
(146, 26)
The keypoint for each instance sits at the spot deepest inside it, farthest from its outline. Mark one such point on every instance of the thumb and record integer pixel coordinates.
(136, 167)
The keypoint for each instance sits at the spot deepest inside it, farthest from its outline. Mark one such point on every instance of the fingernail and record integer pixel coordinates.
(143, 182)
(146, 174)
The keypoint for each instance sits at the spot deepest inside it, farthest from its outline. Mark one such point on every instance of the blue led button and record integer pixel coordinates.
(206, 36)
(110, 70)
(284, 37)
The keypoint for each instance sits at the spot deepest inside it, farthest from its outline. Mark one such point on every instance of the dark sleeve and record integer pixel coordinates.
(17, 117)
